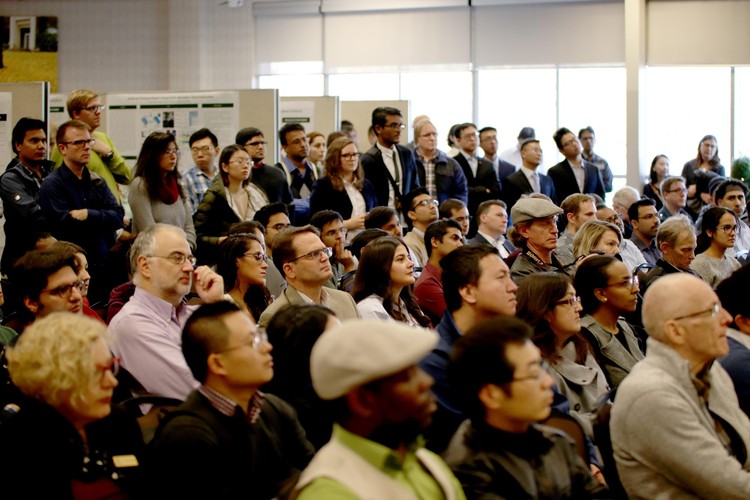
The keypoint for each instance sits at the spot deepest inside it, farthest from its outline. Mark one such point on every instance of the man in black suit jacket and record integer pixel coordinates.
(488, 142)
(564, 173)
(518, 184)
(480, 174)
(389, 166)
(492, 224)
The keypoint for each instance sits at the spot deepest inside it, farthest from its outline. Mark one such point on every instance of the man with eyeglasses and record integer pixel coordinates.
(228, 439)
(333, 234)
(303, 260)
(645, 220)
(147, 329)
(503, 387)
(388, 165)
(456, 210)
(481, 176)
(674, 194)
(438, 172)
(204, 146)
(677, 428)
(527, 179)
(422, 211)
(269, 178)
(104, 159)
(732, 194)
(574, 174)
(78, 204)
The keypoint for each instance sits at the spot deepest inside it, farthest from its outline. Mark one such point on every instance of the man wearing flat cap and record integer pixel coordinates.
(535, 226)
(381, 401)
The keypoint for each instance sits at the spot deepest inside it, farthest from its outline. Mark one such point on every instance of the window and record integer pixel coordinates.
(741, 113)
(293, 85)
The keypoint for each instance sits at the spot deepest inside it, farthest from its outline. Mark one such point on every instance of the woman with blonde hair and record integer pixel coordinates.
(66, 440)
(597, 236)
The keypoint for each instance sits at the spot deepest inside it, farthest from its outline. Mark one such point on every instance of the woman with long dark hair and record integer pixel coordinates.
(156, 194)
(382, 287)
(659, 171)
(718, 234)
(707, 160)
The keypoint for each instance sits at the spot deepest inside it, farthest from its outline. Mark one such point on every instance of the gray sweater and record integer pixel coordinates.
(147, 212)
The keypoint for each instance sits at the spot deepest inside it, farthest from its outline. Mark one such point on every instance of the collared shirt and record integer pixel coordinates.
(308, 300)
(580, 174)
(429, 173)
(196, 183)
(497, 243)
(391, 161)
(473, 163)
(230, 407)
(536, 184)
(300, 184)
(650, 252)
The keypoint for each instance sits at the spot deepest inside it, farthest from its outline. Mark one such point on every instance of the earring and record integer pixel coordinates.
(603, 299)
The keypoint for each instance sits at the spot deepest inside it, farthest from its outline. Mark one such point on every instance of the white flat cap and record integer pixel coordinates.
(361, 351)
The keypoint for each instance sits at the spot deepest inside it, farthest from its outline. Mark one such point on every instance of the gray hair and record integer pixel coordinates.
(145, 244)
(672, 228)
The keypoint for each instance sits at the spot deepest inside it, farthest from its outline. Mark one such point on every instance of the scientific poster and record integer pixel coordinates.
(298, 112)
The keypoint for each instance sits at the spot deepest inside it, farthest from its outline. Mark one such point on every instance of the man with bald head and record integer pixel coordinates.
(677, 429)
(621, 201)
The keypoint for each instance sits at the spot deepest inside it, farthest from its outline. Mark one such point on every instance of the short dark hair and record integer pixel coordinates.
(379, 217)
(486, 205)
(289, 127)
(586, 129)
(479, 357)
(634, 208)
(23, 126)
(380, 115)
(205, 333)
(320, 219)
(448, 206)
(224, 157)
(731, 292)
(363, 238)
(461, 268)
(246, 134)
(486, 129)
(347, 126)
(438, 229)
(460, 128)
(264, 214)
(283, 245)
(202, 134)
(725, 185)
(407, 202)
(559, 134)
(590, 275)
(246, 226)
(31, 271)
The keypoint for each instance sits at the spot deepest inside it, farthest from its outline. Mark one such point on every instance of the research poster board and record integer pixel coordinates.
(360, 114)
(319, 114)
(6, 127)
(57, 112)
(20, 99)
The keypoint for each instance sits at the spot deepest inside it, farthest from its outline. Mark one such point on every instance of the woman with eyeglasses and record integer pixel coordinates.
(548, 303)
(230, 198)
(718, 234)
(382, 286)
(608, 291)
(156, 194)
(707, 160)
(63, 438)
(243, 264)
(659, 171)
(343, 187)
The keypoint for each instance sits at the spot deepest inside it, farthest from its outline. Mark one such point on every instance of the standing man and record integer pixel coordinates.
(488, 143)
(78, 203)
(492, 223)
(513, 155)
(300, 173)
(104, 159)
(674, 194)
(423, 211)
(439, 173)
(574, 174)
(588, 139)
(388, 165)
(577, 208)
(204, 146)
(271, 180)
(19, 189)
(645, 221)
(527, 179)
(480, 174)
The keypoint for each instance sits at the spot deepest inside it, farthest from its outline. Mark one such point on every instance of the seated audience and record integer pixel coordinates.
(71, 249)
(674, 194)
(658, 172)
(333, 234)
(66, 440)
(676, 240)
(621, 201)
(548, 303)
(242, 265)
(631, 256)
(156, 193)
(148, 329)
(456, 210)
(421, 210)
(492, 224)
(596, 236)
(677, 430)
(228, 440)
(577, 208)
(718, 234)
(381, 401)
(301, 256)
(608, 291)
(732, 194)
(645, 221)
(382, 286)
(732, 294)
(505, 390)
(273, 219)
(535, 233)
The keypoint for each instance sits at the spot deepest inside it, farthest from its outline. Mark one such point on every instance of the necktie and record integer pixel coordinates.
(535, 181)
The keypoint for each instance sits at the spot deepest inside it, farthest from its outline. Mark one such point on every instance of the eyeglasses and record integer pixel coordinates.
(81, 143)
(255, 144)
(205, 150)
(350, 156)
(247, 162)
(172, 152)
(280, 226)
(537, 377)
(259, 257)
(613, 219)
(395, 126)
(572, 302)
(714, 310)
(95, 108)
(113, 365)
(728, 229)
(425, 203)
(64, 291)
(178, 259)
(257, 338)
(315, 254)
(334, 232)
(631, 282)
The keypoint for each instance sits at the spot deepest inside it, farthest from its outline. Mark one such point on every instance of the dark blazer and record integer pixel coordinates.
(478, 239)
(324, 197)
(504, 169)
(485, 186)
(517, 185)
(377, 173)
(565, 180)
(450, 181)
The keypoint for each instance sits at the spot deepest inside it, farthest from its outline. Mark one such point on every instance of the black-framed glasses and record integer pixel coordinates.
(257, 338)
(613, 219)
(571, 301)
(178, 259)
(203, 149)
(81, 143)
(64, 291)
(631, 282)
(425, 203)
(95, 108)
(280, 226)
(255, 144)
(728, 229)
(350, 156)
(713, 310)
(315, 254)
(259, 257)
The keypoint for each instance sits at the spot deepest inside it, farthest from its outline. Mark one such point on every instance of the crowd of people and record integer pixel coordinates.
(244, 329)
